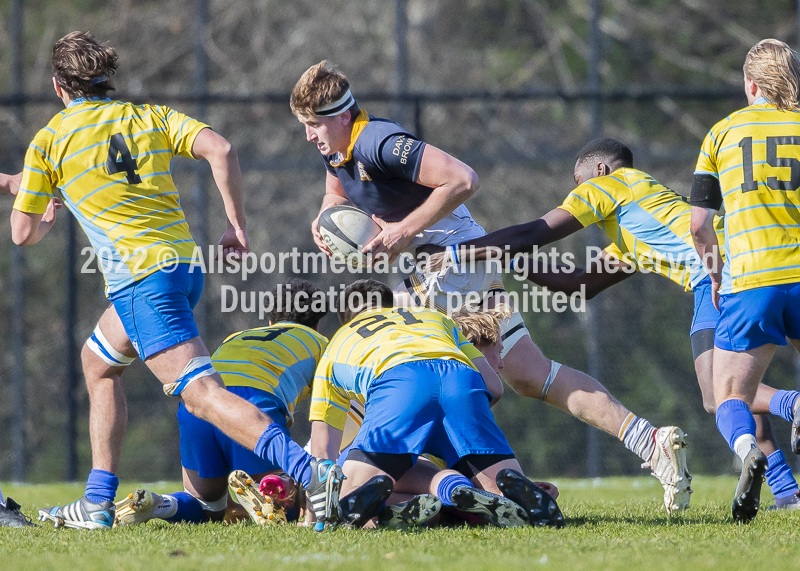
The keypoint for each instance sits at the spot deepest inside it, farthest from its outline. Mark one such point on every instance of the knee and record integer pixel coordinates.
(711, 407)
(198, 398)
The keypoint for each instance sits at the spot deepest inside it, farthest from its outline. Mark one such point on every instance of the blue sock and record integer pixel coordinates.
(782, 404)
(101, 486)
(189, 509)
(449, 483)
(734, 419)
(275, 446)
(779, 476)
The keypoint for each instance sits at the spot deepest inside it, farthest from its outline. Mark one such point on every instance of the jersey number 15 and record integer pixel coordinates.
(773, 160)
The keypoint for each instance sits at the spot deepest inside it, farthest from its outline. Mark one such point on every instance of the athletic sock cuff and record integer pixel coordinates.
(782, 404)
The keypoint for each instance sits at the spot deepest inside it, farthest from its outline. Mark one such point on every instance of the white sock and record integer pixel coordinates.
(743, 445)
(167, 508)
(637, 436)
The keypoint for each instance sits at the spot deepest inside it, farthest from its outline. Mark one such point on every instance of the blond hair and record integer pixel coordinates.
(775, 69)
(83, 66)
(320, 85)
(482, 327)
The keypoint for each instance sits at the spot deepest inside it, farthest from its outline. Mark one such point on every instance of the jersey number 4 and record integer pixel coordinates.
(773, 160)
(120, 159)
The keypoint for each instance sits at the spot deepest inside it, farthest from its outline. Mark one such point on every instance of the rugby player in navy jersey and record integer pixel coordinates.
(415, 192)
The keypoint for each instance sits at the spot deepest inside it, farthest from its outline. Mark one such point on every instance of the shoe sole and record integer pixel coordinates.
(61, 522)
(796, 431)
(357, 508)
(258, 506)
(748, 489)
(680, 498)
(540, 506)
(417, 511)
(136, 509)
(497, 510)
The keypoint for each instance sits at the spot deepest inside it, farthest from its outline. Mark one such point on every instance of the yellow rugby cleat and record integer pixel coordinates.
(260, 508)
(138, 507)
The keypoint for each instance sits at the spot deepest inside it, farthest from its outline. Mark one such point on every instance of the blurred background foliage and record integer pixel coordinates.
(522, 150)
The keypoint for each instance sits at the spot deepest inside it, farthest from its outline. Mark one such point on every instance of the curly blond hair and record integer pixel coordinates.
(482, 326)
(320, 85)
(775, 69)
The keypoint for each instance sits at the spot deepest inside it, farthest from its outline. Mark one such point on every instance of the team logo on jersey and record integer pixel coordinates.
(362, 171)
(402, 146)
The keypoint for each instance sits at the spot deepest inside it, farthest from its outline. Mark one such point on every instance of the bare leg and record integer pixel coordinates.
(760, 408)
(526, 369)
(108, 409)
(737, 374)
(207, 397)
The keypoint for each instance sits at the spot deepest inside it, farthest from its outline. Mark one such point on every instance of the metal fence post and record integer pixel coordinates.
(594, 466)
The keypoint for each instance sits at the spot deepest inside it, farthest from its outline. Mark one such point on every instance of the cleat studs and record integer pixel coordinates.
(269, 500)
(270, 516)
(258, 513)
(248, 481)
(239, 490)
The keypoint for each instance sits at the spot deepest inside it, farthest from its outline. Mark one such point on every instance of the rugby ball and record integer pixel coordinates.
(346, 230)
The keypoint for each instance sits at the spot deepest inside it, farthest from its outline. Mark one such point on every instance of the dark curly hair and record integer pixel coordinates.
(83, 66)
(362, 295)
(298, 301)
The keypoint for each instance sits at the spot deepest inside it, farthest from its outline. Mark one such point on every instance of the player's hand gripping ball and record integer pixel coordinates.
(345, 230)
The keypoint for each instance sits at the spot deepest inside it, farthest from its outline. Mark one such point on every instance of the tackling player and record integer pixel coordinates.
(110, 162)
(273, 368)
(617, 197)
(750, 164)
(415, 192)
(425, 394)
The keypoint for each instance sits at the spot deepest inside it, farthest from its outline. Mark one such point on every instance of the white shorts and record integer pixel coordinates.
(446, 291)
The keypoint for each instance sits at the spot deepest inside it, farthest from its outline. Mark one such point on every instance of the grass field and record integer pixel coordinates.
(614, 523)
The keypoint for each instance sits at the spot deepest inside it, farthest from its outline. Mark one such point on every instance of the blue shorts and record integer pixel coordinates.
(437, 406)
(756, 317)
(705, 314)
(212, 454)
(156, 311)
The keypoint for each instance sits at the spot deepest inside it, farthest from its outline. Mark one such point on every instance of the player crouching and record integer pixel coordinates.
(425, 393)
(273, 368)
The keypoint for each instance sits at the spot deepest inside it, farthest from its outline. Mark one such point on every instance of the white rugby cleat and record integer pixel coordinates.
(668, 464)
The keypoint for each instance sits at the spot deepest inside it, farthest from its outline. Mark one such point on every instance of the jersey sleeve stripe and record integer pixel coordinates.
(33, 192)
(32, 169)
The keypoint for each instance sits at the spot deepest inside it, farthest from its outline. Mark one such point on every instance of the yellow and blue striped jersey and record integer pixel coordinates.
(374, 342)
(755, 154)
(279, 359)
(645, 220)
(111, 163)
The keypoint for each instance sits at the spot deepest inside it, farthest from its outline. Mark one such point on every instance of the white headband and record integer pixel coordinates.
(339, 106)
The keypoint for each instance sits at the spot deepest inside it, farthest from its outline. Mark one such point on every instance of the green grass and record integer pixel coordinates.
(614, 523)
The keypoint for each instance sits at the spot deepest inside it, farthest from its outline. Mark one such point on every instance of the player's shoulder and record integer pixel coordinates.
(378, 132)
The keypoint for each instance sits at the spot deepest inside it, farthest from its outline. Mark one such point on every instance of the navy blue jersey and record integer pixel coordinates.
(378, 173)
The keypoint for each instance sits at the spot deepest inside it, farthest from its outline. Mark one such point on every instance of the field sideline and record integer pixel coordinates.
(613, 523)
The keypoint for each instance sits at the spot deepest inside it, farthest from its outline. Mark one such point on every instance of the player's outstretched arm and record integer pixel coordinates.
(28, 229)
(334, 196)
(551, 227)
(9, 183)
(452, 182)
(326, 441)
(610, 271)
(222, 157)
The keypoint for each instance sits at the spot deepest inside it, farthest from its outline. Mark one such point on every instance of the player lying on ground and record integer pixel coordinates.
(615, 196)
(271, 367)
(415, 192)
(744, 165)
(425, 394)
(110, 162)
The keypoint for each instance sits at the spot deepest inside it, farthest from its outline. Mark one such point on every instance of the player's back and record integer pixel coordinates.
(755, 153)
(279, 359)
(378, 340)
(644, 219)
(111, 162)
